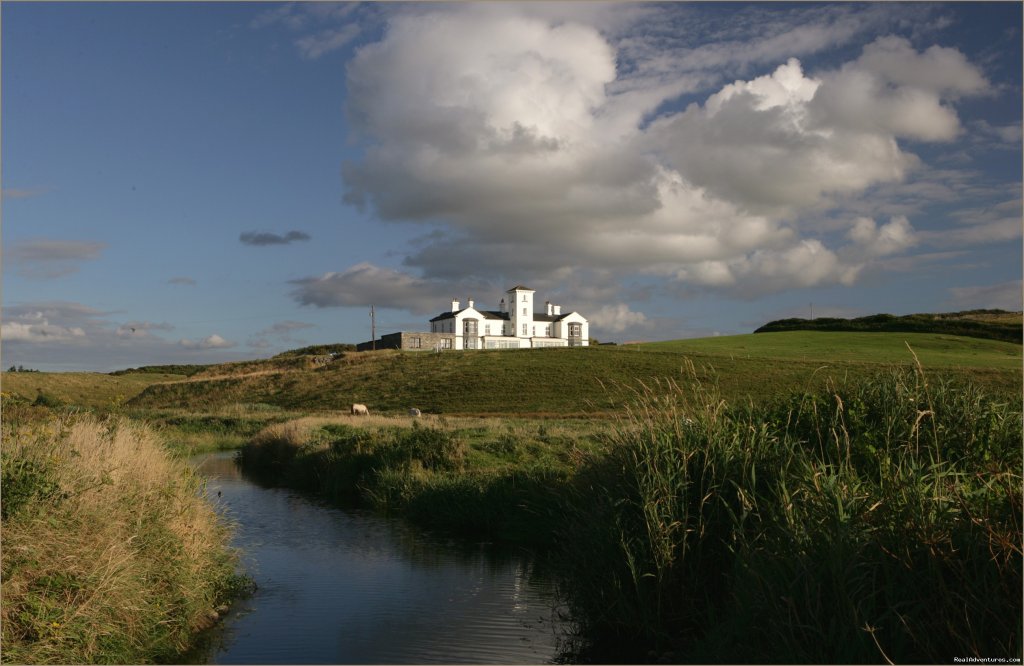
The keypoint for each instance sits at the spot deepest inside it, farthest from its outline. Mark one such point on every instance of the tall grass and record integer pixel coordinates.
(502, 484)
(874, 521)
(110, 554)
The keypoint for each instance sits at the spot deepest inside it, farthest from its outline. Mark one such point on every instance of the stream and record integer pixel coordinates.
(340, 586)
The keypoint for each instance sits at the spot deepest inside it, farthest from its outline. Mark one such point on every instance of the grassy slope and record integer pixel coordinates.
(933, 350)
(582, 380)
(84, 389)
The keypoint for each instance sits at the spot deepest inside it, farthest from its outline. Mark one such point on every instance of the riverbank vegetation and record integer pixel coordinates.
(110, 553)
(873, 521)
(870, 520)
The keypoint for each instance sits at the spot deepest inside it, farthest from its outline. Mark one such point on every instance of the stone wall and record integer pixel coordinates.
(414, 341)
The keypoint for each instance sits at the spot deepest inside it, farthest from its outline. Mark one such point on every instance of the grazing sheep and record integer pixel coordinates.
(360, 410)
(415, 412)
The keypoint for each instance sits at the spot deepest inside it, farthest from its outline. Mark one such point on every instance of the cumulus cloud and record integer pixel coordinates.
(873, 241)
(41, 330)
(366, 284)
(518, 135)
(55, 322)
(50, 258)
(210, 342)
(616, 318)
(1009, 135)
(264, 238)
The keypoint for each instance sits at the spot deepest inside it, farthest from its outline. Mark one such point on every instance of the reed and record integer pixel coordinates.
(110, 554)
(877, 520)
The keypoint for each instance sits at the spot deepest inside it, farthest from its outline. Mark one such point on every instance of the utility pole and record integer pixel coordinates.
(812, 310)
(373, 329)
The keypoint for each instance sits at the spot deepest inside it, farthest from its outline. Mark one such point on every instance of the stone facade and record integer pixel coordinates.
(411, 341)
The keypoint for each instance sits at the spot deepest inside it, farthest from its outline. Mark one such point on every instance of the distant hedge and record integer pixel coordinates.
(318, 350)
(187, 370)
(955, 323)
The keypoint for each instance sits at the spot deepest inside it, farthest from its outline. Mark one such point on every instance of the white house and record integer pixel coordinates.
(514, 325)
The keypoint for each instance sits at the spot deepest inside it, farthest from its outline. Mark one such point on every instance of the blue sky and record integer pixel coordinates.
(193, 182)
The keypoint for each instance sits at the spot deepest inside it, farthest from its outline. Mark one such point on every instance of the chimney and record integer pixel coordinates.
(455, 305)
(502, 307)
(470, 303)
(558, 309)
(548, 303)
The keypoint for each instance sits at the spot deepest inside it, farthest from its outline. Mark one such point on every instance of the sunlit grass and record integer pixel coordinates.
(110, 553)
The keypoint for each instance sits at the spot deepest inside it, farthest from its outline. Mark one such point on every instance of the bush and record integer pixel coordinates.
(24, 481)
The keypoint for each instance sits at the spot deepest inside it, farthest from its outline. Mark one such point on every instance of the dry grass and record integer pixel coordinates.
(110, 553)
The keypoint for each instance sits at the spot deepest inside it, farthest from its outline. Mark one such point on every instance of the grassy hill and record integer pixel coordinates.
(82, 389)
(581, 381)
(988, 324)
(933, 350)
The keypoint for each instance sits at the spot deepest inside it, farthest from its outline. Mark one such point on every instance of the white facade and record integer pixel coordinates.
(514, 325)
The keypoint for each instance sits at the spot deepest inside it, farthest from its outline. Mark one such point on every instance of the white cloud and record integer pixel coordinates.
(64, 336)
(366, 284)
(875, 241)
(937, 69)
(525, 134)
(616, 318)
(41, 331)
(210, 342)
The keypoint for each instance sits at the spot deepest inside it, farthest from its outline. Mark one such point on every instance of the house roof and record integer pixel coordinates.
(542, 316)
(504, 316)
(519, 287)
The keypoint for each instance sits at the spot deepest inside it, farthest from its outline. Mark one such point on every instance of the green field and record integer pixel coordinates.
(82, 389)
(933, 350)
(590, 381)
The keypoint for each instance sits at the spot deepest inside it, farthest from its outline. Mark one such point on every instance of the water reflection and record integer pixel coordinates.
(351, 587)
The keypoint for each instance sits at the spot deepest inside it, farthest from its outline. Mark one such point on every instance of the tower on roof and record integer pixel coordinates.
(520, 310)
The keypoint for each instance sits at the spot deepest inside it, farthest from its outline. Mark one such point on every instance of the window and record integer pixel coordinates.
(415, 343)
(547, 331)
(524, 329)
(524, 298)
(575, 330)
(446, 343)
(524, 312)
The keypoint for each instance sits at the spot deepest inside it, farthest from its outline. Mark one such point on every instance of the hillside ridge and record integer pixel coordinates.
(987, 324)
